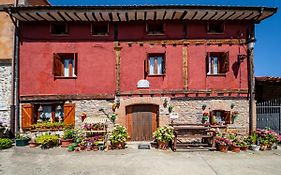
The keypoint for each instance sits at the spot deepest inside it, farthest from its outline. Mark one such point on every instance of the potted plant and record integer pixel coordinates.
(68, 136)
(205, 117)
(163, 135)
(118, 137)
(253, 141)
(47, 141)
(5, 143)
(236, 144)
(222, 143)
(22, 140)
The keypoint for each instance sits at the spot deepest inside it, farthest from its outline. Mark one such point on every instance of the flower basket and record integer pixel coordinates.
(163, 135)
(119, 136)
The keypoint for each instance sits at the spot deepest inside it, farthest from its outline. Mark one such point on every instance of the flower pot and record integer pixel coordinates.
(118, 145)
(255, 147)
(32, 144)
(235, 149)
(162, 144)
(244, 148)
(21, 142)
(66, 142)
(263, 147)
(222, 148)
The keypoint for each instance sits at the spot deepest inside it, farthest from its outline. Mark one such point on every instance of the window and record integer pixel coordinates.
(217, 63)
(155, 28)
(100, 29)
(220, 117)
(48, 112)
(215, 27)
(59, 29)
(65, 64)
(155, 65)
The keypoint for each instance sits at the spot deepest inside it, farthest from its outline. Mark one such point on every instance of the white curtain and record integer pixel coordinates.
(151, 66)
(159, 62)
(66, 67)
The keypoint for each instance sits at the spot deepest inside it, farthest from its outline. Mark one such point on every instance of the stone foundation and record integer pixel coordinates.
(5, 92)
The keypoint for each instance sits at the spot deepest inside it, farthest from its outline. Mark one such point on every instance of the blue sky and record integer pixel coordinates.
(268, 35)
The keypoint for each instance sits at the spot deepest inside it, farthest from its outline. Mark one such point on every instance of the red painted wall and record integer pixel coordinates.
(96, 58)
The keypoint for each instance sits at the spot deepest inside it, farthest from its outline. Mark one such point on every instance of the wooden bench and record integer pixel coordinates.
(202, 135)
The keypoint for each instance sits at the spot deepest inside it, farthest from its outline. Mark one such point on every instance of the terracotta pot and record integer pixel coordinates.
(235, 149)
(263, 147)
(269, 147)
(244, 148)
(223, 148)
(162, 144)
(118, 145)
(66, 142)
(32, 144)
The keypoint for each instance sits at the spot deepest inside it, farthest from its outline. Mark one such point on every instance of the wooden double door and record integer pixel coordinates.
(142, 121)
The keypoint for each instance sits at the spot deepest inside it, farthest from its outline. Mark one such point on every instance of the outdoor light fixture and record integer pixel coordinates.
(251, 43)
(40, 109)
(232, 105)
(117, 102)
(59, 108)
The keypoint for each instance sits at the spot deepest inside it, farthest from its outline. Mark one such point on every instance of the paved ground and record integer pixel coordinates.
(131, 161)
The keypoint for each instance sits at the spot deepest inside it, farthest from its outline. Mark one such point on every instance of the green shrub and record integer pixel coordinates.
(47, 141)
(68, 133)
(5, 143)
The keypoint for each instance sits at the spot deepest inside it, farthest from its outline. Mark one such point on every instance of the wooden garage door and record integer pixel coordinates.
(142, 121)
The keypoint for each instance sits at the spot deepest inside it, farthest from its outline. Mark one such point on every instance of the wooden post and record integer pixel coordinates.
(117, 49)
(252, 103)
(185, 67)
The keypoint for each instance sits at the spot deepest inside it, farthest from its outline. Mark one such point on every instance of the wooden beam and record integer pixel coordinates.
(28, 98)
(117, 49)
(185, 67)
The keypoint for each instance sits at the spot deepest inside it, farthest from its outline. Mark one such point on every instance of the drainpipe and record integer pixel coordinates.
(14, 108)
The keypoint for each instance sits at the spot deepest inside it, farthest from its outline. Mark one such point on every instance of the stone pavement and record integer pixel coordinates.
(131, 161)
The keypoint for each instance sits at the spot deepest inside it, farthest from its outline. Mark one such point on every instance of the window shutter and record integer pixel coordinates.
(207, 62)
(227, 117)
(75, 64)
(146, 68)
(69, 114)
(57, 65)
(211, 117)
(225, 63)
(26, 116)
(164, 64)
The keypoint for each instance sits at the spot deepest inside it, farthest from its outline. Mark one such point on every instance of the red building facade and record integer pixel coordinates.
(145, 60)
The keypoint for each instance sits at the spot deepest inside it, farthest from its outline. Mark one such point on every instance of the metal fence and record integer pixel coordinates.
(269, 115)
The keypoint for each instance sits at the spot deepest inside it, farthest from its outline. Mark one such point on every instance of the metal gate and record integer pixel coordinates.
(269, 115)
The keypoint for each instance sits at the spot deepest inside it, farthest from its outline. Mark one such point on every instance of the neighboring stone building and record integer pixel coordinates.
(6, 55)
(141, 60)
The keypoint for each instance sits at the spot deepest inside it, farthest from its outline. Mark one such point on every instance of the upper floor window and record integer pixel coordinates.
(59, 29)
(155, 28)
(100, 28)
(217, 63)
(155, 65)
(215, 27)
(65, 64)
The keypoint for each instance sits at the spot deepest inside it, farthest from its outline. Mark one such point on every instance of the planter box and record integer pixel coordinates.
(21, 142)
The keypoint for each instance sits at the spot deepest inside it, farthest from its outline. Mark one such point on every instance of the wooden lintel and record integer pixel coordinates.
(187, 42)
(66, 97)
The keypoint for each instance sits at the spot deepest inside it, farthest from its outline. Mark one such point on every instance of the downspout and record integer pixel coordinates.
(14, 108)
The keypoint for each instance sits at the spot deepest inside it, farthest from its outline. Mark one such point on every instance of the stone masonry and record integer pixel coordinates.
(5, 92)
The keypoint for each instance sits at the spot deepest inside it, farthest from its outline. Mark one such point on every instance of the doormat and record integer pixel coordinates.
(144, 146)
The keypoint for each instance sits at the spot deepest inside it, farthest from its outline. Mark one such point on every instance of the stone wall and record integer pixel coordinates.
(5, 92)
(190, 111)
(92, 109)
